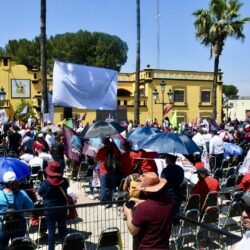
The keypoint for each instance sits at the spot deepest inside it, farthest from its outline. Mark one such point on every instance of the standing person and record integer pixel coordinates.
(14, 140)
(205, 185)
(57, 150)
(198, 139)
(147, 160)
(216, 148)
(54, 190)
(39, 144)
(49, 138)
(151, 221)
(244, 243)
(11, 197)
(27, 142)
(108, 175)
(174, 174)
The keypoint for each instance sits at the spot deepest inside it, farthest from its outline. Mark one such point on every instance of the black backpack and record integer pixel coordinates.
(11, 222)
(111, 163)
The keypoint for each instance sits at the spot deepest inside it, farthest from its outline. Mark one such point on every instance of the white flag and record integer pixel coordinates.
(84, 87)
(3, 116)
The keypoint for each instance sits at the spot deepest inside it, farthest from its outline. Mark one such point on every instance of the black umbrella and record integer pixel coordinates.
(102, 129)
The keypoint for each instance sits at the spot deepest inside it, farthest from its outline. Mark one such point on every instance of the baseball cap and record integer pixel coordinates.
(9, 176)
(202, 171)
(245, 199)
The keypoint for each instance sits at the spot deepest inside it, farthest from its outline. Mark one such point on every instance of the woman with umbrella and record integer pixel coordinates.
(11, 197)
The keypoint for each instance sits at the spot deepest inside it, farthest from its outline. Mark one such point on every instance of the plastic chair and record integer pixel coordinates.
(211, 200)
(84, 174)
(193, 202)
(74, 241)
(211, 216)
(22, 243)
(35, 171)
(188, 229)
(110, 237)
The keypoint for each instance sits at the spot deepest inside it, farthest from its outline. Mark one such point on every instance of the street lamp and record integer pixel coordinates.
(156, 95)
(227, 105)
(2, 94)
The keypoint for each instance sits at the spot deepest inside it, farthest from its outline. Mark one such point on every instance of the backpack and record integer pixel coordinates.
(11, 222)
(132, 190)
(111, 163)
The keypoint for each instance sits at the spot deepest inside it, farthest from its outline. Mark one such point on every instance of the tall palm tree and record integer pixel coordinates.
(43, 56)
(214, 26)
(138, 58)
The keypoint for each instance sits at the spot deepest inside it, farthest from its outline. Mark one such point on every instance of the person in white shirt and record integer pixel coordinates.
(36, 160)
(49, 138)
(216, 148)
(244, 243)
(206, 137)
(198, 139)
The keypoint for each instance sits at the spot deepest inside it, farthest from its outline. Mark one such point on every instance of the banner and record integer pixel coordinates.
(167, 109)
(48, 117)
(72, 144)
(84, 87)
(3, 116)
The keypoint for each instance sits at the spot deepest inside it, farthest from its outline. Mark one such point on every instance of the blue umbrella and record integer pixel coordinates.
(138, 135)
(21, 169)
(231, 149)
(170, 143)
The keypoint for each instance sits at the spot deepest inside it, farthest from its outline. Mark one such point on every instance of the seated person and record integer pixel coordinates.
(245, 183)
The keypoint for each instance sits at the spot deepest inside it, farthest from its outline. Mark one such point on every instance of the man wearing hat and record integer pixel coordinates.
(244, 243)
(151, 221)
(54, 190)
(205, 185)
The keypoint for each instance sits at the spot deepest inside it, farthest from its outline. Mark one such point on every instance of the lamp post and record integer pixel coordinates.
(2, 94)
(227, 105)
(156, 95)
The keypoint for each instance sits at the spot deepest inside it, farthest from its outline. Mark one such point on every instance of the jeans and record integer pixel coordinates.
(108, 181)
(51, 221)
(6, 236)
(218, 159)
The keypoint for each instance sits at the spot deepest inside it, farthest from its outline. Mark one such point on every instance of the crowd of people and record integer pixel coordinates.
(150, 189)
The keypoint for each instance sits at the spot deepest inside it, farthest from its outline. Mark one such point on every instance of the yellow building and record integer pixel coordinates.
(192, 93)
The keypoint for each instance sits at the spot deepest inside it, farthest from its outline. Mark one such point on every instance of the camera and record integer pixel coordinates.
(130, 204)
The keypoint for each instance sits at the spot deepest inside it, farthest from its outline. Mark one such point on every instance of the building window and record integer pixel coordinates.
(179, 96)
(118, 102)
(125, 102)
(205, 96)
(5, 62)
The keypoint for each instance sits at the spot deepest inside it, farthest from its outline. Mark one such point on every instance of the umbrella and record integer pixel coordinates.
(138, 135)
(54, 128)
(170, 143)
(92, 146)
(231, 149)
(20, 168)
(102, 129)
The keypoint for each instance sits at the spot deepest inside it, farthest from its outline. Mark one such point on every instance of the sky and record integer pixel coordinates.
(179, 49)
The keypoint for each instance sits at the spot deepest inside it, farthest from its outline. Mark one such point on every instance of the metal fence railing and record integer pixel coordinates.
(93, 218)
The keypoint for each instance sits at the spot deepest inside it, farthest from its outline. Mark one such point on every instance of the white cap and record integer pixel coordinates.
(9, 176)
(40, 135)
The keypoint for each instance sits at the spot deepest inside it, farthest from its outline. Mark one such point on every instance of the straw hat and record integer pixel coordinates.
(150, 182)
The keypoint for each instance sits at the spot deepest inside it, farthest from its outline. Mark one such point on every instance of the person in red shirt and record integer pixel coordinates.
(127, 160)
(108, 177)
(245, 183)
(147, 161)
(205, 185)
(40, 144)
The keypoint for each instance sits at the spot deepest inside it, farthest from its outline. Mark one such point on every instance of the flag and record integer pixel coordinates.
(84, 87)
(3, 116)
(84, 131)
(25, 110)
(83, 117)
(72, 144)
(167, 109)
(67, 122)
(173, 120)
(197, 121)
(214, 125)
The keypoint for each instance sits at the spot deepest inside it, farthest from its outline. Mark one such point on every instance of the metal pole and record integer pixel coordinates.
(163, 104)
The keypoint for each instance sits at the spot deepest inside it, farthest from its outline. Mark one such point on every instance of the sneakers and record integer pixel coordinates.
(91, 196)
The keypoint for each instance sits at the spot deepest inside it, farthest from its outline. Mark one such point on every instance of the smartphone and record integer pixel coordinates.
(130, 204)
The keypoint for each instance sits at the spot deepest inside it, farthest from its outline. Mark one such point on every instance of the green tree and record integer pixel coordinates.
(83, 47)
(213, 26)
(230, 91)
(20, 108)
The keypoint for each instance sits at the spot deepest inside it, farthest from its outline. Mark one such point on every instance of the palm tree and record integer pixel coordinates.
(214, 26)
(43, 57)
(137, 71)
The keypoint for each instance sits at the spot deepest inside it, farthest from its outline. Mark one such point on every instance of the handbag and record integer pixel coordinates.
(71, 212)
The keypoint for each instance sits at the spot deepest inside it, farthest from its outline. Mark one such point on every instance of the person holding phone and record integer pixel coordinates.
(150, 221)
